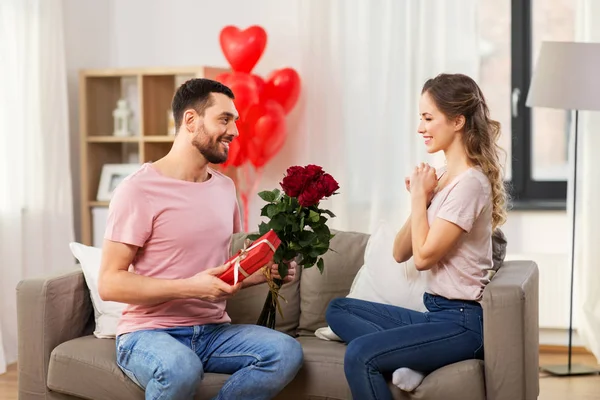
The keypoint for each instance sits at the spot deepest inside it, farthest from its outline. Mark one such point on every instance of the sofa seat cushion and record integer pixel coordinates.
(86, 367)
(459, 381)
(322, 374)
(322, 377)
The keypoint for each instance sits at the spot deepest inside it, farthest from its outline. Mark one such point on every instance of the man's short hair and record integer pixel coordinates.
(196, 94)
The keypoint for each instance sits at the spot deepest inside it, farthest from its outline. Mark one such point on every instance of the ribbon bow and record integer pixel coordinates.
(237, 268)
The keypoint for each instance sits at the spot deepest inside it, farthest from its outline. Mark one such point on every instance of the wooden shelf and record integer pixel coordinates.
(159, 138)
(112, 139)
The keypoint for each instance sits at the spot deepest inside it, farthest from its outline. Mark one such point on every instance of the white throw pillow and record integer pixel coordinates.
(106, 313)
(383, 280)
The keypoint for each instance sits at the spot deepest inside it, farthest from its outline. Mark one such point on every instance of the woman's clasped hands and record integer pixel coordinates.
(422, 183)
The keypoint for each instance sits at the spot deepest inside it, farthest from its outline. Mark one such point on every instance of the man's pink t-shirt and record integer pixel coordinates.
(464, 271)
(181, 229)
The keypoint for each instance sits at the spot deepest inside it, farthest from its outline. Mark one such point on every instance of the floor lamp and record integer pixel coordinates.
(567, 77)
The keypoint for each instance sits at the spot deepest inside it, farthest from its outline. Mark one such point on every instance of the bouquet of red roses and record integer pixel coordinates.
(301, 225)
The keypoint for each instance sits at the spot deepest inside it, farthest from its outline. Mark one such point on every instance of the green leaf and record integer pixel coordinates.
(269, 195)
(321, 265)
(278, 222)
(308, 262)
(294, 246)
(307, 238)
(314, 253)
(272, 210)
(253, 236)
(332, 215)
(263, 211)
(314, 216)
(263, 228)
(282, 206)
(321, 230)
(290, 254)
(282, 268)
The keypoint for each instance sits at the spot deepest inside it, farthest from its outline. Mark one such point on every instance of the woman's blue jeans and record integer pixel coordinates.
(382, 338)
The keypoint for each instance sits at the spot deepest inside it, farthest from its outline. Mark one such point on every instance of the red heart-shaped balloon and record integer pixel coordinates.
(244, 89)
(243, 48)
(267, 125)
(238, 148)
(283, 86)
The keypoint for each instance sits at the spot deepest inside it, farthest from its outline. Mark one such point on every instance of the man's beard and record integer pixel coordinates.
(210, 147)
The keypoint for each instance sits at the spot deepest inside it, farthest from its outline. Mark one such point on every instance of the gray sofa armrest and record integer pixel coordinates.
(50, 311)
(511, 332)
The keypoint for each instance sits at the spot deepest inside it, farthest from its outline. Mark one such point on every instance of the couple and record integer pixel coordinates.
(175, 326)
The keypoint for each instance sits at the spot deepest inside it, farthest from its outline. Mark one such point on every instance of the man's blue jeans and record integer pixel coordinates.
(382, 338)
(169, 363)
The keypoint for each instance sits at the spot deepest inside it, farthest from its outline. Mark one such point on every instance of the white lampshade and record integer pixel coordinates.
(567, 76)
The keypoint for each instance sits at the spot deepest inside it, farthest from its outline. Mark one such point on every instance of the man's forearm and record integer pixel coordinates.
(127, 287)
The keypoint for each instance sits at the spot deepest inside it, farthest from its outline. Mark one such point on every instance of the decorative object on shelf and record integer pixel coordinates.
(301, 225)
(122, 119)
(112, 175)
(566, 78)
(170, 123)
(262, 104)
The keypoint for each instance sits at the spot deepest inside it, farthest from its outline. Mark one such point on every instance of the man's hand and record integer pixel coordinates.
(207, 286)
(259, 277)
(291, 273)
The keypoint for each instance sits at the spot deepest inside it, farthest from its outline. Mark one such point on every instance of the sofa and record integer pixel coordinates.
(60, 358)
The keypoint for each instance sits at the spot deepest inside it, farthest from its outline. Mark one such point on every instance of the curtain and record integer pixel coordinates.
(36, 210)
(587, 213)
(363, 66)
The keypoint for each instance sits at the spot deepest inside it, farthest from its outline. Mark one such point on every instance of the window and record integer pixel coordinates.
(535, 139)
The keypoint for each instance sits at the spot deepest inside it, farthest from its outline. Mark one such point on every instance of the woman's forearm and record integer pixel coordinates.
(403, 243)
(419, 231)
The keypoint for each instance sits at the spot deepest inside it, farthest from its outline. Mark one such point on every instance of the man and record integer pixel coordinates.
(172, 221)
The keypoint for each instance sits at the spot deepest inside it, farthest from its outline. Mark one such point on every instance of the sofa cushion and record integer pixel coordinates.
(499, 244)
(342, 263)
(322, 374)
(87, 367)
(459, 381)
(246, 305)
(322, 377)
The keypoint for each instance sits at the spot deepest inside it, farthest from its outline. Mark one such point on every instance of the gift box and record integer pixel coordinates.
(251, 258)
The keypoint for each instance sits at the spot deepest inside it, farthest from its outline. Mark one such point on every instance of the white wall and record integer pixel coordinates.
(145, 33)
(88, 44)
(140, 33)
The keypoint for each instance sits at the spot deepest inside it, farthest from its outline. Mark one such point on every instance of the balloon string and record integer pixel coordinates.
(249, 188)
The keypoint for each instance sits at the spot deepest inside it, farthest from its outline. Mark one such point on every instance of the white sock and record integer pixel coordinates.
(407, 379)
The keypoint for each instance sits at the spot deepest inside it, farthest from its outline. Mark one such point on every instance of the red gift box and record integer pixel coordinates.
(249, 260)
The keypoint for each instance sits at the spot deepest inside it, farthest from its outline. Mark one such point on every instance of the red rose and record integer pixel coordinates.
(310, 196)
(309, 184)
(294, 181)
(314, 171)
(328, 185)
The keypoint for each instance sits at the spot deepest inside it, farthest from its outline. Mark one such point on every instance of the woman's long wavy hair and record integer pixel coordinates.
(455, 95)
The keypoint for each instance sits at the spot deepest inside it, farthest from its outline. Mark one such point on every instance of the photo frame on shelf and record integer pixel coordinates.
(112, 175)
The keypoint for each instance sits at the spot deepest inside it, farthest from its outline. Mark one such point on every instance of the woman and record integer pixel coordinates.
(449, 235)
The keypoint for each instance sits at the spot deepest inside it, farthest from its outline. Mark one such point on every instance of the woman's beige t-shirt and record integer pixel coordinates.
(464, 271)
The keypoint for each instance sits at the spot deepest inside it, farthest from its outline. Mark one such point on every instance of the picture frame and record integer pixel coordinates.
(111, 176)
